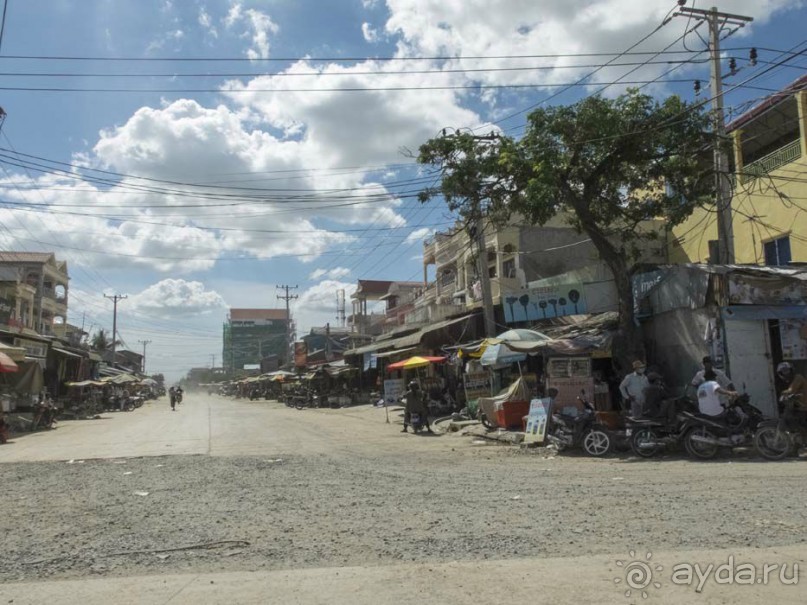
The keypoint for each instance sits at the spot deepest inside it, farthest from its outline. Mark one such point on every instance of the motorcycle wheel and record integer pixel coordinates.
(487, 423)
(698, 449)
(299, 404)
(128, 407)
(641, 437)
(772, 443)
(597, 443)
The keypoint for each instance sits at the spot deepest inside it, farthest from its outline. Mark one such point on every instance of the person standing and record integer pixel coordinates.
(720, 376)
(632, 388)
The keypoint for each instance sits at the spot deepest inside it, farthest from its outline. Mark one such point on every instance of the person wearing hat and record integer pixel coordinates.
(632, 388)
(721, 378)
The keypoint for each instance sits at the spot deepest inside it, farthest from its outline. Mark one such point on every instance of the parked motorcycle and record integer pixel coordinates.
(581, 430)
(649, 436)
(778, 438)
(705, 435)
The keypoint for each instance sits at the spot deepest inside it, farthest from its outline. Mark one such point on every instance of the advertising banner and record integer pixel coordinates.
(536, 420)
(543, 302)
(477, 385)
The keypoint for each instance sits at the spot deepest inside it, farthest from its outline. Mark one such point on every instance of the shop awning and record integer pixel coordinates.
(64, 352)
(409, 341)
(761, 312)
(15, 353)
(95, 357)
(387, 354)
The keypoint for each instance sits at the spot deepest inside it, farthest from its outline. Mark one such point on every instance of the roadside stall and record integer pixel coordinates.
(508, 408)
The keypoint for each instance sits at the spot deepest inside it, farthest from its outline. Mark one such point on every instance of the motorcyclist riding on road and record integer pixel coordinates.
(415, 405)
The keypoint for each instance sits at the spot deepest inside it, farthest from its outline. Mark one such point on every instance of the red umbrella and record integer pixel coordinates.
(7, 364)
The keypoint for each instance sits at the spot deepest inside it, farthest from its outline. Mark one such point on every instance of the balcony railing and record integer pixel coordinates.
(772, 161)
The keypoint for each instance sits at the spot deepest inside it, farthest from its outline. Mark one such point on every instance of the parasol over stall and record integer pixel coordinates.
(414, 362)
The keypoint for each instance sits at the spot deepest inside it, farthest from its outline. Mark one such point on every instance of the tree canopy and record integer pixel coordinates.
(604, 165)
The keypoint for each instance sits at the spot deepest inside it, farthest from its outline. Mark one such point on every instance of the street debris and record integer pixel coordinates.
(141, 493)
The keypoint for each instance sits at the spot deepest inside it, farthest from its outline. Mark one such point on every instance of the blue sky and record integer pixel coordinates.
(267, 171)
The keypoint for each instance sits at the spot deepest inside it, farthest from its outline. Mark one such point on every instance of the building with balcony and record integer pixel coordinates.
(396, 297)
(768, 164)
(250, 335)
(35, 286)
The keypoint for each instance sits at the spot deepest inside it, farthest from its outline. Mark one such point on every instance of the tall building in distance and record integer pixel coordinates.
(251, 335)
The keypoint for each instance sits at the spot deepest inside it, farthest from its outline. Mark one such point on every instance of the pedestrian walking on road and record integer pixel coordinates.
(172, 395)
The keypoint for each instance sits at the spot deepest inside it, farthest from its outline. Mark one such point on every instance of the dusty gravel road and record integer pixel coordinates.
(257, 486)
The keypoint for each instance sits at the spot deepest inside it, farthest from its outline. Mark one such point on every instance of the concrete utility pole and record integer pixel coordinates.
(144, 343)
(717, 21)
(115, 298)
(288, 298)
(477, 233)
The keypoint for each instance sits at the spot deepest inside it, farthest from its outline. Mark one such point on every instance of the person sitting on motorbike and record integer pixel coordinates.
(415, 405)
(657, 403)
(709, 392)
(796, 383)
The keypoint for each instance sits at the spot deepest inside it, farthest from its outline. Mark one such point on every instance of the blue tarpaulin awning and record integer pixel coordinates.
(758, 312)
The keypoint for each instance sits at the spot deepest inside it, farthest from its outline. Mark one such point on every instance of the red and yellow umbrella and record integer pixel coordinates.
(414, 362)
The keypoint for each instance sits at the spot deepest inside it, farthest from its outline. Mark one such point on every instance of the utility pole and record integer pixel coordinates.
(717, 21)
(212, 361)
(288, 298)
(115, 298)
(476, 231)
(144, 343)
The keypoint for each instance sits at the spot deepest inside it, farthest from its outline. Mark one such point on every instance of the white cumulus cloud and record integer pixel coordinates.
(176, 298)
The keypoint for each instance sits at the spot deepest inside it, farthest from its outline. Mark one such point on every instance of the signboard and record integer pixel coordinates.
(642, 284)
(536, 420)
(544, 300)
(570, 375)
(393, 390)
(32, 347)
(744, 290)
(477, 385)
(300, 354)
(370, 361)
(793, 333)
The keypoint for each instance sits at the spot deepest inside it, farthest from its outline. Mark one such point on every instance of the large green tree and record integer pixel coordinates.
(605, 165)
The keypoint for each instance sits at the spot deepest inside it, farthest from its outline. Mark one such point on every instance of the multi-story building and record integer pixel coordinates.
(397, 298)
(769, 202)
(250, 335)
(35, 286)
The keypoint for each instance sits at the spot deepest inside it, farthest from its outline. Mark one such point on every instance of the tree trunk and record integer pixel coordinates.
(628, 344)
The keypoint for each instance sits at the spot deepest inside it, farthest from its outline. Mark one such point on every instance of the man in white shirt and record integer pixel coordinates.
(632, 388)
(722, 379)
(709, 392)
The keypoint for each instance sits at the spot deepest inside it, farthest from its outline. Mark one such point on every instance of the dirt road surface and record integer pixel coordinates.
(224, 498)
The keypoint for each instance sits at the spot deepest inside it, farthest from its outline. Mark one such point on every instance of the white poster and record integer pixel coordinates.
(536, 421)
(393, 390)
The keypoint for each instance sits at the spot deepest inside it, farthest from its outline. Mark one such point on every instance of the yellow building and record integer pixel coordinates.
(769, 177)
